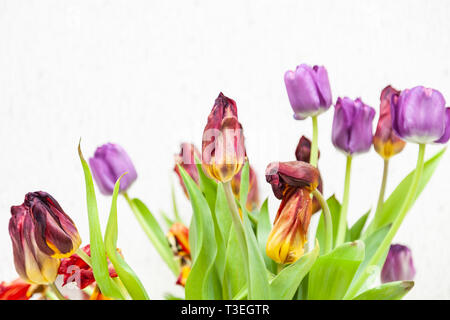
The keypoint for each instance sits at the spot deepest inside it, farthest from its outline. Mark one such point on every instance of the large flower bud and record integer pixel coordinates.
(419, 115)
(41, 234)
(110, 161)
(398, 265)
(308, 90)
(223, 149)
(352, 126)
(385, 141)
(186, 159)
(289, 234)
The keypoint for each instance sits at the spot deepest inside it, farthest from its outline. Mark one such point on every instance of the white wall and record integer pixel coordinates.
(145, 74)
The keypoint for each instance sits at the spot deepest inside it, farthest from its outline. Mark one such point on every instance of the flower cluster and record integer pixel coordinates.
(230, 249)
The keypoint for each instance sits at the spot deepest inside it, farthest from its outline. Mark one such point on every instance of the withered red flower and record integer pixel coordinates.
(186, 159)
(75, 269)
(178, 237)
(223, 149)
(15, 290)
(385, 141)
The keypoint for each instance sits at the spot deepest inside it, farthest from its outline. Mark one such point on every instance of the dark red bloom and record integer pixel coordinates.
(74, 269)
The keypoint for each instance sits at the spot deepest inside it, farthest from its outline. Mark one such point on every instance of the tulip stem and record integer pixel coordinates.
(237, 222)
(328, 223)
(342, 226)
(314, 144)
(380, 202)
(56, 291)
(385, 244)
(83, 255)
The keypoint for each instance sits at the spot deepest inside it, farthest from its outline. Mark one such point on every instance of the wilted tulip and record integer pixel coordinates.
(41, 234)
(223, 149)
(308, 90)
(419, 115)
(303, 153)
(110, 161)
(16, 290)
(253, 196)
(292, 182)
(385, 141)
(398, 265)
(289, 234)
(186, 159)
(178, 237)
(352, 126)
(75, 269)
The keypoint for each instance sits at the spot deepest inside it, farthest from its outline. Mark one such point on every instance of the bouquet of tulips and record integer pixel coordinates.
(230, 249)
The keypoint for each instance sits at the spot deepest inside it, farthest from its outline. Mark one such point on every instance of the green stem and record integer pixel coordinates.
(314, 145)
(384, 246)
(237, 222)
(83, 255)
(380, 200)
(56, 291)
(328, 224)
(342, 226)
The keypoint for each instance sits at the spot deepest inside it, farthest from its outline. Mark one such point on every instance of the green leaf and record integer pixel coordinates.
(129, 279)
(154, 233)
(393, 204)
(222, 212)
(262, 234)
(235, 277)
(388, 291)
(243, 189)
(169, 222)
(98, 252)
(286, 283)
(174, 204)
(335, 211)
(355, 230)
(258, 282)
(207, 186)
(332, 273)
(201, 276)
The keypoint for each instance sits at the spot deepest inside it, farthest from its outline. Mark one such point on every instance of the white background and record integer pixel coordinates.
(145, 74)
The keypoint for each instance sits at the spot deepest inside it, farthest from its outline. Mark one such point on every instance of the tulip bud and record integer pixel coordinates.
(186, 159)
(223, 150)
(308, 90)
(352, 126)
(296, 174)
(419, 115)
(253, 196)
(398, 265)
(289, 234)
(110, 161)
(41, 234)
(303, 153)
(385, 141)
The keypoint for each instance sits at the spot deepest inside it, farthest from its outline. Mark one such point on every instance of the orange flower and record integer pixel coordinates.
(15, 290)
(178, 237)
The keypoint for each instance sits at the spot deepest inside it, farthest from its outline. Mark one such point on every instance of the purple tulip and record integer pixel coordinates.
(419, 115)
(308, 90)
(110, 161)
(399, 264)
(352, 126)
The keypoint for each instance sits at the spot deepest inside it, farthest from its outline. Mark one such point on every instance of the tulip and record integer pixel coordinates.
(178, 237)
(293, 173)
(446, 136)
(385, 141)
(286, 241)
(398, 265)
(41, 234)
(16, 290)
(184, 274)
(252, 197)
(308, 90)
(75, 269)
(110, 161)
(223, 150)
(303, 153)
(419, 115)
(292, 182)
(352, 126)
(186, 159)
